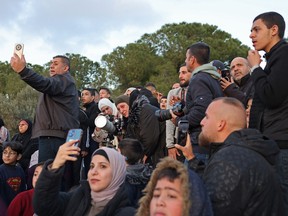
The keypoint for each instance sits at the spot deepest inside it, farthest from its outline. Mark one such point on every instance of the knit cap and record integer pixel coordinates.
(121, 99)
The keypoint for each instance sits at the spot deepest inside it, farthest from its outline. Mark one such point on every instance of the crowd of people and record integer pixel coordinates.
(217, 144)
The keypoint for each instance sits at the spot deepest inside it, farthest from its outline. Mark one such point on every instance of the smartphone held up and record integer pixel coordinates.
(18, 49)
(74, 134)
(183, 127)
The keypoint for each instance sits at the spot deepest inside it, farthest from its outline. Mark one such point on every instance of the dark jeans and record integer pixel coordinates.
(48, 147)
(283, 173)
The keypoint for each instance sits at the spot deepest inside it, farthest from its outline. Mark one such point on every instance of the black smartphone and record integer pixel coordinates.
(74, 134)
(183, 126)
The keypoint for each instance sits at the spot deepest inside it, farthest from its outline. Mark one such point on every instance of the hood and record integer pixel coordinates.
(138, 173)
(254, 140)
(207, 68)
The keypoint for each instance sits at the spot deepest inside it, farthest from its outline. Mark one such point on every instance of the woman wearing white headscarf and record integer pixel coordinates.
(102, 194)
(108, 109)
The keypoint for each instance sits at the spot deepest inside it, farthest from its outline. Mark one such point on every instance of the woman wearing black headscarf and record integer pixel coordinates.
(24, 137)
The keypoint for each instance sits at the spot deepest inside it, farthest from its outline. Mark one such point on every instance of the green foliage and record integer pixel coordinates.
(22, 105)
(84, 70)
(153, 58)
(131, 65)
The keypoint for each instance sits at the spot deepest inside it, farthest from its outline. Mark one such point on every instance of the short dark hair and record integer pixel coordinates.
(273, 18)
(2, 122)
(201, 51)
(150, 84)
(14, 145)
(64, 59)
(132, 149)
(91, 90)
(105, 88)
(170, 173)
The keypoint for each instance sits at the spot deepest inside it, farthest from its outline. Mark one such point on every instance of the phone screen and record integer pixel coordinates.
(183, 127)
(74, 134)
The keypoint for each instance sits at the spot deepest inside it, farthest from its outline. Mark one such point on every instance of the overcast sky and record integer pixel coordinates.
(93, 28)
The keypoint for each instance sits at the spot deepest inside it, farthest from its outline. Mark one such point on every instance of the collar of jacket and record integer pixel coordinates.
(275, 47)
(243, 80)
(88, 104)
(207, 68)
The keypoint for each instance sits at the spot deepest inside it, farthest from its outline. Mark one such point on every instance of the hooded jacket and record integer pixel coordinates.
(204, 86)
(195, 198)
(144, 126)
(137, 177)
(240, 176)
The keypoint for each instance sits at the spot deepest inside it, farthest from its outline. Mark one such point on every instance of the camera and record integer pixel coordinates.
(225, 74)
(183, 127)
(177, 109)
(110, 124)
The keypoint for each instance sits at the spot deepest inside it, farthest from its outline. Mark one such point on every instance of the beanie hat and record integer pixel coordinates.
(122, 99)
(218, 64)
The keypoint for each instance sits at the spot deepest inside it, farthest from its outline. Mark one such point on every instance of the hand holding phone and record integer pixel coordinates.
(18, 49)
(74, 134)
(183, 127)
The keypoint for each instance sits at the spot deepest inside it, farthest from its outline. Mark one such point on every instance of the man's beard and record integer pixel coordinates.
(204, 140)
(185, 84)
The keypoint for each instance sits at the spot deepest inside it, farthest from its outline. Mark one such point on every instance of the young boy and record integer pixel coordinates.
(21, 205)
(12, 177)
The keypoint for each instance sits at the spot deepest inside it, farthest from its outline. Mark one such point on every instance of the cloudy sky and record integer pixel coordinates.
(93, 28)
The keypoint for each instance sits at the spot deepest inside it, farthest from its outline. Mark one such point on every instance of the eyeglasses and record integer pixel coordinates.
(9, 153)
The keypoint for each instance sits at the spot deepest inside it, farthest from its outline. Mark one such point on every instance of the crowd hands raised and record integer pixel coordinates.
(216, 145)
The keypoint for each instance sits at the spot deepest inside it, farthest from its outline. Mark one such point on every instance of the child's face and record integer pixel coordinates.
(9, 156)
(36, 175)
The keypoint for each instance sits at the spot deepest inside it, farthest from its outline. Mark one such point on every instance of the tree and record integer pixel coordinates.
(84, 70)
(155, 57)
(131, 65)
(22, 105)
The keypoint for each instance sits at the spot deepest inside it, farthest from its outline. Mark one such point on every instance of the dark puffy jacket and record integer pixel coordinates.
(240, 176)
(145, 126)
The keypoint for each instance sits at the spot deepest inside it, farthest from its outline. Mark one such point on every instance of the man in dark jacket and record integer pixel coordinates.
(92, 111)
(58, 105)
(203, 87)
(144, 126)
(240, 175)
(242, 86)
(269, 112)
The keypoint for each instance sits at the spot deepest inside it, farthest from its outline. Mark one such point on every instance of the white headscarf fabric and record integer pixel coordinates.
(106, 102)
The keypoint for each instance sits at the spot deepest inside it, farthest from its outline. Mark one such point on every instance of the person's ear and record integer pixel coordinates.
(221, 125)
(275, 30)
(66, 68)
(19, 156)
